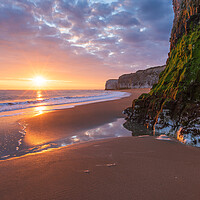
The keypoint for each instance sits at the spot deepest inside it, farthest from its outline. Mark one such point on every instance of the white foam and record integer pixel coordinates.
(61, 102)
(142, 136)
(163, 137)
(9, 115)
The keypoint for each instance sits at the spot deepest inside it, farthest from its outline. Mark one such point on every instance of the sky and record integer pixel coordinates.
(79, 44)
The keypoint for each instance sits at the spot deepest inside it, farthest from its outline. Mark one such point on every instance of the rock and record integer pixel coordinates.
(186, 17)
(141, 79)
(173, 105)
(111, 165)
(87, 171)
(111, 84)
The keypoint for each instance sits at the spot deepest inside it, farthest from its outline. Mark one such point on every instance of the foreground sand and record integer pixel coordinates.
(146, 168)
(120, 168)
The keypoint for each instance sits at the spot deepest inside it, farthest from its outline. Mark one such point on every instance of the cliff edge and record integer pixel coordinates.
(141, 79)
(173, 105)
(111, 84)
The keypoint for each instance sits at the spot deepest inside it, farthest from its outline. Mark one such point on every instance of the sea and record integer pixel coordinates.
(18, 104)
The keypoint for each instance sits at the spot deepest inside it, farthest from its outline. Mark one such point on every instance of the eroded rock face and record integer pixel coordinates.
(111, 84)
(186, 15)
(173, 105)
(141, 79)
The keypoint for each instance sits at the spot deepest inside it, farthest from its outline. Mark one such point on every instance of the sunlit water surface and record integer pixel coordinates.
(16, 105)
(109, 130)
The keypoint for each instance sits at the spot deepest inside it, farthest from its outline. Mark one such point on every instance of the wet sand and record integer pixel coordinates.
(121, 168)
(62, 123)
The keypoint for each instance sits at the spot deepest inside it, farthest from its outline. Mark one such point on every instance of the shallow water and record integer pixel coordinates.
(17, 105)
(109, 130)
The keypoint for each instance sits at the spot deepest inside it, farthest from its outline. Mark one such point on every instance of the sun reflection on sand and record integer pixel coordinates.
(38, 141)
(36, 138)
(39, 110)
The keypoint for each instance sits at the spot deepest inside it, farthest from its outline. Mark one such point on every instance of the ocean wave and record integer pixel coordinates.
(10, 106)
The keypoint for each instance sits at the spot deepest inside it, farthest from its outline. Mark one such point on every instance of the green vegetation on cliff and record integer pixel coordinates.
(178, 89)
(173, 105)
(181, 78)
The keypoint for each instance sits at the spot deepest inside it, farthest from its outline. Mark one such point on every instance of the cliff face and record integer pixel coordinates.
(186, 17)
(141, 79)
(111, 84)
(173, 105)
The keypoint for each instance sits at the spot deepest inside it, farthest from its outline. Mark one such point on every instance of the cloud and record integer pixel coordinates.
(47, 30)
(45, 6)
(94, 21)
(124, 18)
(16, 20)
(75, 10)
(102, 9)
(116, 35)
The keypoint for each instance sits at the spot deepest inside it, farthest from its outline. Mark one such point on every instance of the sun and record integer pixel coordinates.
(39, 81)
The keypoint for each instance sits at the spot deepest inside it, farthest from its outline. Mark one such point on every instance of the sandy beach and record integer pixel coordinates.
(74, 124)
(119, 168)
(72, 120)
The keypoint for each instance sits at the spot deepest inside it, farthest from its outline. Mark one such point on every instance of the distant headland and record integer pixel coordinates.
(140, 79)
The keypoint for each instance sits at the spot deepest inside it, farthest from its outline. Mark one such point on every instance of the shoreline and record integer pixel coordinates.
(139, 167)
(31, 104)
(50, 127)
(106, 131)
(70, 121)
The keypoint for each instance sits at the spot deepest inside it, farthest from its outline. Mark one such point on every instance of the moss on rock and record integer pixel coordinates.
(174, 102)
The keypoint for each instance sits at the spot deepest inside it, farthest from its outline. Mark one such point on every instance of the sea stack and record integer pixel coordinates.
(173, 105)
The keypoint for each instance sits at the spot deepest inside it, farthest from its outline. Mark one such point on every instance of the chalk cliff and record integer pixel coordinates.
(173, 105)
(141, 79)
(111, 84)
